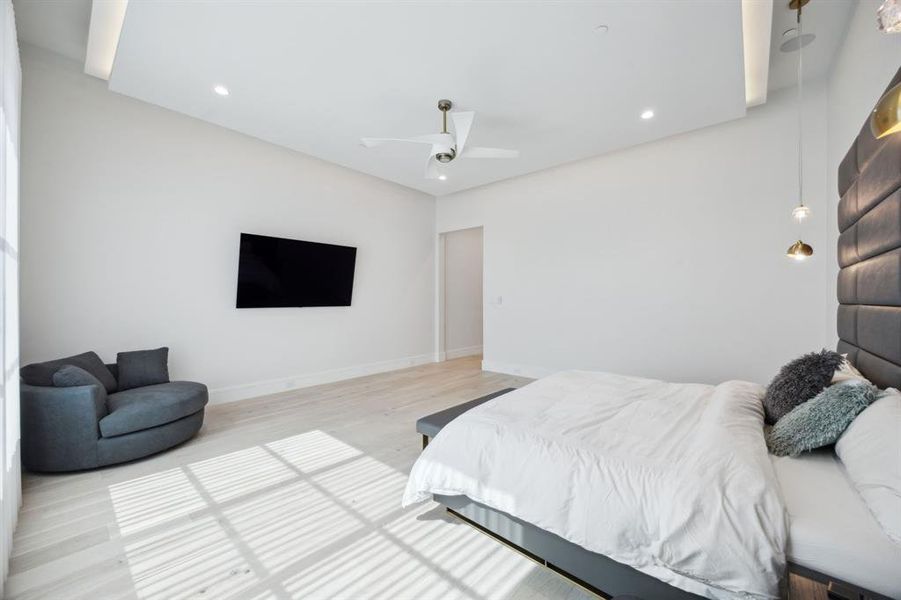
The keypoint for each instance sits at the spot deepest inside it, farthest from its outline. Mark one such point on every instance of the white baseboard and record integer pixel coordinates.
(284, 384)
(461, 352)
(516, 369)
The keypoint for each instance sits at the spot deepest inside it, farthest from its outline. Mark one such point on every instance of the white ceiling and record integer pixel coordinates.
(316, 76)
(828, 20)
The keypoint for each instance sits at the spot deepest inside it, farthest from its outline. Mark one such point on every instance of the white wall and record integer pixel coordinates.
(665, 260)
(130, 222)
(463, 292)
(864, 66)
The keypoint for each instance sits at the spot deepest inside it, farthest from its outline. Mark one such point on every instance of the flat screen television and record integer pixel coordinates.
(278, 272)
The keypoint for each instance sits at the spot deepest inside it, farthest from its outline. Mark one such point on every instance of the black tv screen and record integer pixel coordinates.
(275, 272)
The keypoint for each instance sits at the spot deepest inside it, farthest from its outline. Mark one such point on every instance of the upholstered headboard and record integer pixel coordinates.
(869, 254)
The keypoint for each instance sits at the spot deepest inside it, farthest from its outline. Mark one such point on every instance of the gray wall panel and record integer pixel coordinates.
(847, 208)
(879, 230)
(879, 331)
(881, 176)
(847, 171)
(847, 322)
(879, 279)
(869, 254)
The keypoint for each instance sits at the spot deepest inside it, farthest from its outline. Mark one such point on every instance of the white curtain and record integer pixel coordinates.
(10, 469)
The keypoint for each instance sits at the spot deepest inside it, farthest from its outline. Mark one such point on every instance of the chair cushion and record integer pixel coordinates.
(42, 373)
(145, 407)
(142, 367)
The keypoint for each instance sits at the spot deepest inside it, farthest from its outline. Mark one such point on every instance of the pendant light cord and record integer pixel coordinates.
(800, 105)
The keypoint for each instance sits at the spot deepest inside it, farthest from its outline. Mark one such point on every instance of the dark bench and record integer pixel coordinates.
(430, 425)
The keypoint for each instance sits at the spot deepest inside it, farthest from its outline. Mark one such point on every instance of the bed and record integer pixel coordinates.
(494, 466)
(830, 528)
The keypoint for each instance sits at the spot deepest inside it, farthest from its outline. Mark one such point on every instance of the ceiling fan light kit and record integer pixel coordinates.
(446, 146)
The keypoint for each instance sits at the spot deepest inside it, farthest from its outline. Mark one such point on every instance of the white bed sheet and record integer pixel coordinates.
(645, 472)
(830, 528)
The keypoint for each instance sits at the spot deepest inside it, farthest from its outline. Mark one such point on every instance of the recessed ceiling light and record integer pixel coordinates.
(602, 28)
(647, 114)
(442, 177)
(221, 90)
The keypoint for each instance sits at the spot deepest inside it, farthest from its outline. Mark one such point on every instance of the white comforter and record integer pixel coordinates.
(672, 479)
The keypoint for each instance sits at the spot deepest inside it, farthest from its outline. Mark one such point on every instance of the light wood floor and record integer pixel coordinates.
(295, 495)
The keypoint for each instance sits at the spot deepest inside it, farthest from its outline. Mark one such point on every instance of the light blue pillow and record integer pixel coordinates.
(821, 420)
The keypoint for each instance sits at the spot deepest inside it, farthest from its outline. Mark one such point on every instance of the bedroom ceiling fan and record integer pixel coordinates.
(447, 146)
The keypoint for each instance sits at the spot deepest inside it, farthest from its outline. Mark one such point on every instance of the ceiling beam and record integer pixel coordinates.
(756, 27)
(107, 17)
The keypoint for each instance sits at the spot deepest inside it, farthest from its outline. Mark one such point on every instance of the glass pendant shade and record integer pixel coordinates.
(799, 250)
(886, 118)
(889, 16)
(801, 212)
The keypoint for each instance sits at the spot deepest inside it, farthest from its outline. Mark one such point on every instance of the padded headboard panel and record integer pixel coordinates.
(869, 255)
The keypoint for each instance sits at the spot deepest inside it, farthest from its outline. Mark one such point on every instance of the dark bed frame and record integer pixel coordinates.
(869, 330)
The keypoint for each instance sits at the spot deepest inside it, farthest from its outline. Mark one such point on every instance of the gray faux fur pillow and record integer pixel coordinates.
(799, 381)
(820, 421)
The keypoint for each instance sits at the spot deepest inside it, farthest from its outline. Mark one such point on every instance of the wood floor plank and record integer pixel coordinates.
(293, 495)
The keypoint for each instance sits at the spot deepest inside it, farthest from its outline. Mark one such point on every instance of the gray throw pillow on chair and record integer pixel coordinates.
(42, 373)
(71, 376)
(821, 420)
(143, 367)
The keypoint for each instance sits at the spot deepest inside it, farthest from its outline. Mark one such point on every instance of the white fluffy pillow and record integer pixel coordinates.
(846, 372)
(870, 449)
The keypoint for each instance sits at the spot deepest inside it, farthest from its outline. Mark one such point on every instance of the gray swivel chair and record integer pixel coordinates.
(88, 426)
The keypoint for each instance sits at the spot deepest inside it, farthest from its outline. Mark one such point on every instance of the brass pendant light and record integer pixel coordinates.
(886, 118)
(799, 250)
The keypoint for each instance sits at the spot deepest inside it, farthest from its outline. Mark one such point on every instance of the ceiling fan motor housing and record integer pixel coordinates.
(445, 145)
(446, 157)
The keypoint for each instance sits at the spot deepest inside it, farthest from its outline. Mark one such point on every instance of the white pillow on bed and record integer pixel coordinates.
(846, 371)
(870, 449)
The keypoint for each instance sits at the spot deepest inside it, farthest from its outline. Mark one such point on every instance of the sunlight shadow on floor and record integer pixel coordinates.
(307, 516)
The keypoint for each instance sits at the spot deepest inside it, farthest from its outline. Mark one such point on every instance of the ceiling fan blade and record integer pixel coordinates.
(431, 168)
(462, 126)
(477, 152)
(434, 138)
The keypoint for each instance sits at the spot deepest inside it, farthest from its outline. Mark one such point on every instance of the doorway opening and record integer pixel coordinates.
(460, 301)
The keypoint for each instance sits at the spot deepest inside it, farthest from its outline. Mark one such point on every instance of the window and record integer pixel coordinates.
(10, 89)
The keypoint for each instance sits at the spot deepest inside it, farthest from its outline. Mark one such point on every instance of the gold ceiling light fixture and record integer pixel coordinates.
(886, 117)
(799, 250)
